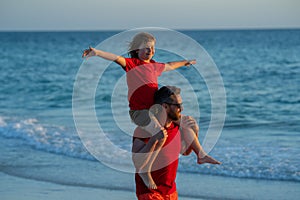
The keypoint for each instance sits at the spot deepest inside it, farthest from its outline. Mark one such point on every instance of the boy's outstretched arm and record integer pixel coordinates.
(174, 65)
(105, 55)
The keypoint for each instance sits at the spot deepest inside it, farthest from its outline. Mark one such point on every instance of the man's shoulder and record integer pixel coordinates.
(173, 127)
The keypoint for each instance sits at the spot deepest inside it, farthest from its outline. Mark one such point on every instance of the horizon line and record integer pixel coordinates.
(176, 29)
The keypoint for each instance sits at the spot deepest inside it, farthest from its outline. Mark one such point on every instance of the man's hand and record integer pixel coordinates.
(163, 134)
(187, 122)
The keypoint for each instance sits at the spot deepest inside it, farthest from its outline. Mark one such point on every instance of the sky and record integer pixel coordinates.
(128, 14)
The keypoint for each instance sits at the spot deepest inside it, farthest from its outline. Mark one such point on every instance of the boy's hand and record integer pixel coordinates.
(89, 52)
(190, 62)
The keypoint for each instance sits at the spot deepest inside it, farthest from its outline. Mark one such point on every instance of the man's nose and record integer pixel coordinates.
(181, 108)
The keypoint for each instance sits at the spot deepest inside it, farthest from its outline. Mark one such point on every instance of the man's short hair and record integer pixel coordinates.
(164, 94)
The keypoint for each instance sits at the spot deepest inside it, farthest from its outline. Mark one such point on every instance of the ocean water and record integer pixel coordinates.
(260, 138)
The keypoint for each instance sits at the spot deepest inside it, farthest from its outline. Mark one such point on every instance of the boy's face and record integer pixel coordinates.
(146, 51)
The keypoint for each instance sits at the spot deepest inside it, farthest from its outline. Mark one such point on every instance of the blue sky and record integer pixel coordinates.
(127, 14)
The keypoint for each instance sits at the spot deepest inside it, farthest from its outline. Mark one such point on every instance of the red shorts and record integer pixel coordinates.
(158, 196)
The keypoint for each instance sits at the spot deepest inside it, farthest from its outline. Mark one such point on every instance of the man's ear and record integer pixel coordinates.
(164, 105)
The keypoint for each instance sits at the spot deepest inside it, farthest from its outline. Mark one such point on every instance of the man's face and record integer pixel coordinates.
(174, 108)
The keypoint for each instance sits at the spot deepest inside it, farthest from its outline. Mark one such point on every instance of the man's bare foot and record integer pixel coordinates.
(147, 179)
(208, 159)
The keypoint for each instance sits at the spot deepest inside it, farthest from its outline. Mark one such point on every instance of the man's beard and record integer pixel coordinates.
(173, 116)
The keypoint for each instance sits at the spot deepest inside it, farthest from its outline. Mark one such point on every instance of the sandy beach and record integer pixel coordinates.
(210, 187)
(25, 189)
(15, 188)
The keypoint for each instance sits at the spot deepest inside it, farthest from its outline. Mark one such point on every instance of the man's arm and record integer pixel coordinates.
(105, 55)
(174, 65)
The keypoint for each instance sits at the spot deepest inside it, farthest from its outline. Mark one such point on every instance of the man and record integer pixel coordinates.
(166, 145)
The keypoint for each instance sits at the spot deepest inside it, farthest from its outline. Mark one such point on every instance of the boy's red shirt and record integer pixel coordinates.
(142, 82)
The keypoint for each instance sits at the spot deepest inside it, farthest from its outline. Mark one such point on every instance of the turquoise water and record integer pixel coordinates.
(260, 71)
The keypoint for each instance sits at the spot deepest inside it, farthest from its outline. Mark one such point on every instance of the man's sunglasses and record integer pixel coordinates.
(178, 105)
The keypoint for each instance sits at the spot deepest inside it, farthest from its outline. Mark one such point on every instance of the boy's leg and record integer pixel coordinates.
(189, 129)
(145, 172)
(191, 140)
(156, 125)
(147, 121)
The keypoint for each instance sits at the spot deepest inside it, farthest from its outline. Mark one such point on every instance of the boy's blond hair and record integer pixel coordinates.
(138, 40)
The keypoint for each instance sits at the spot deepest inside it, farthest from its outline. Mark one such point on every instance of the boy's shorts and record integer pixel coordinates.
(146, 120)
(140, 117)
